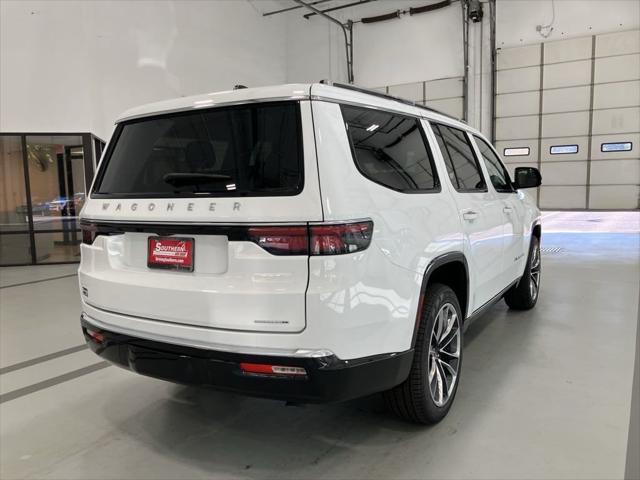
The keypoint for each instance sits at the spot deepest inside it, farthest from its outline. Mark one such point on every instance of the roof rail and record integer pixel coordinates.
(389, 97)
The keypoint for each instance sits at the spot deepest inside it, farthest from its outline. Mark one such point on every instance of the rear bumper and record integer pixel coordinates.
(328, 378)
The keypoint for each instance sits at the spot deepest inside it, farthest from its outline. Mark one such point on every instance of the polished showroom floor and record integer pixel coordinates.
(544, 394)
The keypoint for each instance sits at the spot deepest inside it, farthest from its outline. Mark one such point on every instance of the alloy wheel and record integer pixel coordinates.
(534, 284)
(444, 354)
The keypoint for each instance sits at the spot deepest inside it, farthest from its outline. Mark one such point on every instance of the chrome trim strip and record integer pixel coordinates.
(180, 324)
(171, 223)
(243, 223)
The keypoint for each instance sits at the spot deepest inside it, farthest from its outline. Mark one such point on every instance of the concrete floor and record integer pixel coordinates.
(544, 394)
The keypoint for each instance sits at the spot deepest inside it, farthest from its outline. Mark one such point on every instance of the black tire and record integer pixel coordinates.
(413, 400)
(524, 294)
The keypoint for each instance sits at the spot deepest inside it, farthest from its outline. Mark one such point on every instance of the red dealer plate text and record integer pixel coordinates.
(173, 253)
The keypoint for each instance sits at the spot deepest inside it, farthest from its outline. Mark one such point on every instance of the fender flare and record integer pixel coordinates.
(439, 261)
(536, 223)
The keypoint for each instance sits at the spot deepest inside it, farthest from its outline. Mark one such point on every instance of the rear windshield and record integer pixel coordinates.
(245, 150)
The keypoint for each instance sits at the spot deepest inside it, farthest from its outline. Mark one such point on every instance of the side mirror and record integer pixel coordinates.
(527, 177)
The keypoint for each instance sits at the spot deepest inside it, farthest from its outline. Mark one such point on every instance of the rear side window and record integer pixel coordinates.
(462, 165)
(245, 150)
(390, 149)
(498, 175)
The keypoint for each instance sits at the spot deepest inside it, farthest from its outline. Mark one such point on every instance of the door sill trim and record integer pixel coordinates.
(478, 312)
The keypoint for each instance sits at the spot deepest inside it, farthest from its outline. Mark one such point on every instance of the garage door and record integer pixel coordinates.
(443, 94)
(572, 109)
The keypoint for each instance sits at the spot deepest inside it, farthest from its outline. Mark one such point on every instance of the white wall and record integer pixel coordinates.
(516, 19)
(409, 49)
(74, 66)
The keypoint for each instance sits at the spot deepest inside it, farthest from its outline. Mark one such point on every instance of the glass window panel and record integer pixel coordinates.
(461, 162)
(13, 197)
(516, 152)
(563, 149)
(58, 246)
(15, 249)
(497, 173)
(245, 150)
(390, 149)
(616, 147)
(56, 176)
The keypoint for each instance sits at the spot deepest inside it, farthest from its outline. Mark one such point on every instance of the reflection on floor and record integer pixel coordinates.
(61, 252)
(583, 222)
(544, 394)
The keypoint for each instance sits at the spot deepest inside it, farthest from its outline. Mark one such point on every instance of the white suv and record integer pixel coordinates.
(309, 243)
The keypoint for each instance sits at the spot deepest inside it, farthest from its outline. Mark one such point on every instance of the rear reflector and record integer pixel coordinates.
(331, 239)
(264, 369)
(88, 235)
(95, 336)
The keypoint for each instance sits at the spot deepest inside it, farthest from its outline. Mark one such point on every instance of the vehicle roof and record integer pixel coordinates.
(295, 91)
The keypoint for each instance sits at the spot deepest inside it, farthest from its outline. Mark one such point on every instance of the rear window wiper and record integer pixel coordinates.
(182, 179)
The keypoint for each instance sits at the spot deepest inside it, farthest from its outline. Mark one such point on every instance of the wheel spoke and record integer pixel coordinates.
(453, 334)
(535, 259)
(432, 370)
(440, 387)
(448, 367)
(451, 321)
(533, 287)
(434, 338)
(444, 354)
(445, 381)
(455, 354)
(440, 324)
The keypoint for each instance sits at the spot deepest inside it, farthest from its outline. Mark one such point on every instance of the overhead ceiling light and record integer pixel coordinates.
(373, 127)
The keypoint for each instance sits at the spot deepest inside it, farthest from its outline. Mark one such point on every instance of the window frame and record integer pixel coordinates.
(630, 149)
(475, 157)
(110, 146)
(504, 152)
(551, 147)
(425, 140)
(476, 139)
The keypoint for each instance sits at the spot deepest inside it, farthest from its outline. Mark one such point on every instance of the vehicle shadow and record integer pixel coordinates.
(227, 435)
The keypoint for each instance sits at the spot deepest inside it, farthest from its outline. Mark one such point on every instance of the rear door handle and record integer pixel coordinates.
(470, 215)
(507, 209)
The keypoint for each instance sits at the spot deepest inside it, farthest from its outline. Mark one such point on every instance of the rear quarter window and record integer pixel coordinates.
(244, 150)
(390, 149)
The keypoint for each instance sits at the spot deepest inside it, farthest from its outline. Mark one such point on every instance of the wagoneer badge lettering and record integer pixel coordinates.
(169, 207)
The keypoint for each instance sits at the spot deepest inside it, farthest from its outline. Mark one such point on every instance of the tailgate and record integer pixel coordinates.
(234, 284)
(211, 178)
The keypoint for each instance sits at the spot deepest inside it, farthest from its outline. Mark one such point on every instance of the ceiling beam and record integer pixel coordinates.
(340, 7)
(288, 9)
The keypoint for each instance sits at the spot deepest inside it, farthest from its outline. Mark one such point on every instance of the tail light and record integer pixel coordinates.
(341, 238)
(281, 240)
(321, 239)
